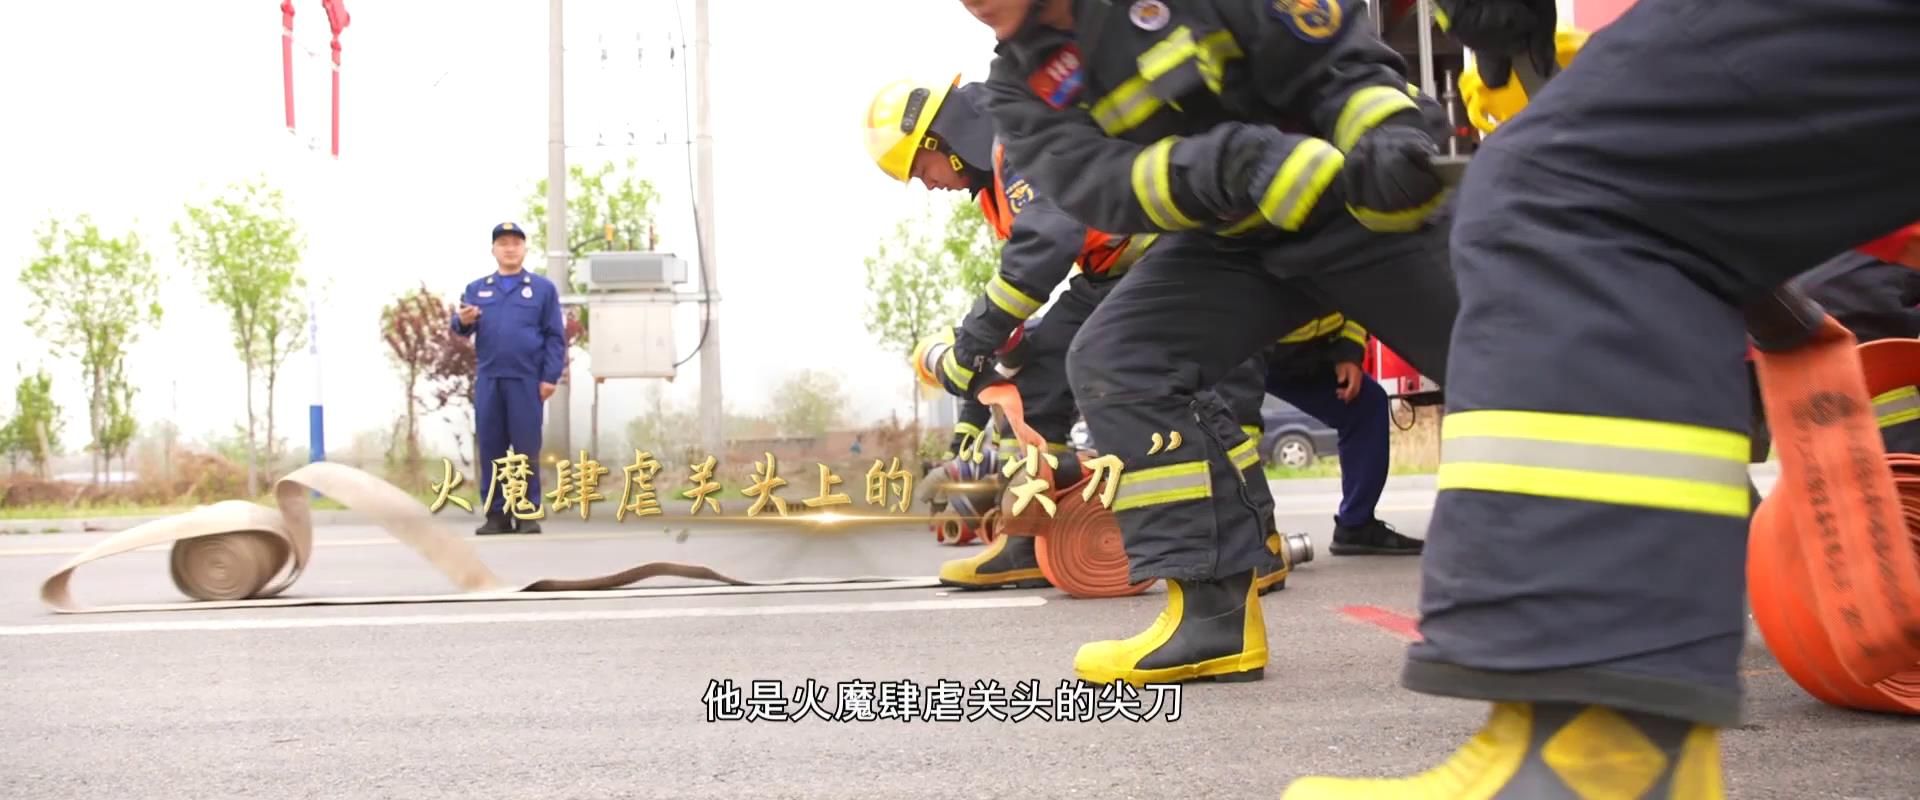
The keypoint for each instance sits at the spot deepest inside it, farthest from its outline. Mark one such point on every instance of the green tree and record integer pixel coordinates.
(413, 326)
(913, 287)
(971, 245)
(92, 296)
(607, 195)
(116, 436)
(245, 250)
(808, 403)
(33, 432)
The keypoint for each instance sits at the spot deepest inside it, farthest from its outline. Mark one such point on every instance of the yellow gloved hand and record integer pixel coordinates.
(1488, 108)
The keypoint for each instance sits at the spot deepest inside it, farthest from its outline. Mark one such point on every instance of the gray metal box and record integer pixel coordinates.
(635, 270)
(632, 337)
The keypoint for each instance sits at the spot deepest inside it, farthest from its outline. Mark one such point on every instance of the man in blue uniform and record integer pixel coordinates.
(1316, 368)
(519, 348)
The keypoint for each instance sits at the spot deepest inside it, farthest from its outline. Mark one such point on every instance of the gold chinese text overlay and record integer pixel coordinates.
(889, 486)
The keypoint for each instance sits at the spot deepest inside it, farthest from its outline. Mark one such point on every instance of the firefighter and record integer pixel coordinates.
(1875, 300)
(1287, 169)
(943, 136)
(1316, 368)
(1606, 242)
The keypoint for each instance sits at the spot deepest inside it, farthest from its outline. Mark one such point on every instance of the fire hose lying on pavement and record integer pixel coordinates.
(239, 554)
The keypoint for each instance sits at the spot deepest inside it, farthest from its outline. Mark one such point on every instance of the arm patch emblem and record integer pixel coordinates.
(1310, 20)
(1059, 80)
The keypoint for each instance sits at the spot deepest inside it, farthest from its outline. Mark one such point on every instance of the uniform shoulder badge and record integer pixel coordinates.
(1019, 193)
(1310, 20)
(1149, 15)
(1059, 79)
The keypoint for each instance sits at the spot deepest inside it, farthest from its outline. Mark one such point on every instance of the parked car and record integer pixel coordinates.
(1293, 437)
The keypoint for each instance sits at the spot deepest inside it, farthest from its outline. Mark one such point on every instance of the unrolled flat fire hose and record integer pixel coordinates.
(239, 554)
(1079, 546)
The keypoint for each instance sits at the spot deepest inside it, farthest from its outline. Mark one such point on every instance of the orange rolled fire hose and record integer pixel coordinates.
(1079, 545)
(1833, 566)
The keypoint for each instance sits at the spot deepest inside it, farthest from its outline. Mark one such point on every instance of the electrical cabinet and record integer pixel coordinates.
(632, 336)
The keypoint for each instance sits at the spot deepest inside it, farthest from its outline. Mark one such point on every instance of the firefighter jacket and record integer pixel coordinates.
(1872, 298)
(1312, 350)
(1170, 121)
(1042, 246)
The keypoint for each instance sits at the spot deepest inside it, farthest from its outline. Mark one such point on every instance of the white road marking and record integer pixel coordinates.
(529, 616)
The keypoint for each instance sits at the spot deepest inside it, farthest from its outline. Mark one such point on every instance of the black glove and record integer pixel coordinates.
(1498, 30)
(1250, 162)
(1389, 179)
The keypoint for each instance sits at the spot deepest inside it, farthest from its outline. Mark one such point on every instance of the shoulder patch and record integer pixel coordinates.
(1019, 193)
(1310, 20)
(1059, 79)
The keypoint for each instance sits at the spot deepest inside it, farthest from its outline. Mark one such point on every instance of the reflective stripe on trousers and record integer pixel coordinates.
(1179, 482)
(1898, 406)
(1596, 459)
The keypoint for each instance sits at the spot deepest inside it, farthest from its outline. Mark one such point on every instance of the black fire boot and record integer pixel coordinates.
(1555, 751)
(1007, 563)
(496, 523)
(1210, 630)
(526, 525)
(1375, 538)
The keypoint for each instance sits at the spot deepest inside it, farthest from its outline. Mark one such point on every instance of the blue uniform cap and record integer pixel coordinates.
(505, 228)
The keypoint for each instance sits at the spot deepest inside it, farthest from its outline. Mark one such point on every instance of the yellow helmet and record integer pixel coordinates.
(897, 123)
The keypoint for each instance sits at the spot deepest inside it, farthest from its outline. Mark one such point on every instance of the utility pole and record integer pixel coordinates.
(558, 437)
(710, 402)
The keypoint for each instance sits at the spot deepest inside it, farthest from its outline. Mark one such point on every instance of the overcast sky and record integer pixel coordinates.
(127, 109)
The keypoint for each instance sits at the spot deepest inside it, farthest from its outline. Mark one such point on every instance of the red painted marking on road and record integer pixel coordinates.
(1393, 622)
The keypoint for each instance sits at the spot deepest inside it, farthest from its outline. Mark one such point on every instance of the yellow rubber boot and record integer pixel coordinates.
(1007, 563)
(1273, 578)
(1555, 751)
(1209, 630)
(1289, 551)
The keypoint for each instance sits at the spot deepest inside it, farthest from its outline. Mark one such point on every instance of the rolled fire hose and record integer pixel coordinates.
(239, 554)
(1833, 566)
(1079, 546)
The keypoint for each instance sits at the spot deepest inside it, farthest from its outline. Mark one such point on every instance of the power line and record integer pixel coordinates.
(699, 235)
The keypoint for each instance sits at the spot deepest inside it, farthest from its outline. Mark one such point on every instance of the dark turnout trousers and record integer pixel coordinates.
(1193, 310)
(1588, 541)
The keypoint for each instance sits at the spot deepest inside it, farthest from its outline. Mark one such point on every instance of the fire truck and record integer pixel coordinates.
(1436, 61)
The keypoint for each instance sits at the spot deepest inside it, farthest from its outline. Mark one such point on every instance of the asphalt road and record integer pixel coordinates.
(604, 698)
